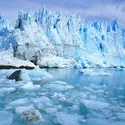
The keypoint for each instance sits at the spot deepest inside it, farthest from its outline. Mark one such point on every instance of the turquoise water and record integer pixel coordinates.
(85, 100)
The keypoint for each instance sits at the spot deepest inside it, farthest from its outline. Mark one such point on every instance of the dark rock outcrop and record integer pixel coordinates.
(15, 75)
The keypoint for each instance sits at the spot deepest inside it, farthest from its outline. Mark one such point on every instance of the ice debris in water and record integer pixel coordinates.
(68, 119)
(42, 102)
(21, 109)
(39, 74)
(89, 72)
(59, 95)
(121, 116)
(30, 86)
(18, 102)
(51, 110)
(36, 74)
(95, 104)
(58, 86)
(25, 76)
(6, 118)
(10, 89)
(31, 115)
(98, 121)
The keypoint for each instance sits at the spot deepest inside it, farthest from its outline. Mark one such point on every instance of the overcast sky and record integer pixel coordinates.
(87, 9)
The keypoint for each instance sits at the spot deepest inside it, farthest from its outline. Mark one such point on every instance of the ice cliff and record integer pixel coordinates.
(53, 40)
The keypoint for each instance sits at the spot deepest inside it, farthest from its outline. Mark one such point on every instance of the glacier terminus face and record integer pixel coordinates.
(52, 40)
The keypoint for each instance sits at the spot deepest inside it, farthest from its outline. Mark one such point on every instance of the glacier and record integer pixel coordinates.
(52, 40)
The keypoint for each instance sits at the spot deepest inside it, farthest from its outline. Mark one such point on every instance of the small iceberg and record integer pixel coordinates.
(39, 74)
(30, 86)
(95, 104)
(58, 86)
(7, 90)
(18, 102)
(91, 72)
(67, 119)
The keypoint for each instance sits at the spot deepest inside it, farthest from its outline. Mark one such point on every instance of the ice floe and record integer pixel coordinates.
(39, 74)
(30, 86)
(121, 116)
(4, 90)
(58, 86)
(67, 119)
(95, 104)
(6, 118)
(19, 102)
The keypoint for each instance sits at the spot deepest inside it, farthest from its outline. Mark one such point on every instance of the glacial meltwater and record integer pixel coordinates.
(63, 97)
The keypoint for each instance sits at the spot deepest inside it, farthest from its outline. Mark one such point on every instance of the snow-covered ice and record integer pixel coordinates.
(52, 40)
(55, 61)
(7, 59)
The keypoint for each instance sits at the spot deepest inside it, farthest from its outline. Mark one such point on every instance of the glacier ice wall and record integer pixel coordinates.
(46, 34)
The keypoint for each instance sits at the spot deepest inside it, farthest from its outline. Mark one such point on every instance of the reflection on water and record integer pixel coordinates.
(115, 83)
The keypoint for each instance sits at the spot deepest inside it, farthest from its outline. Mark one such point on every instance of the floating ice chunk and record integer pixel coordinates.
(81, 71)
(30, 86)
(21, 109)
(6, 118)
(58, 86)
(97, 121)
(121, 116)
(31, 115)
(89, 89)
(59, 95)
(42, 99)
(95, 104)
(11, 89)
(25, 76)
(39, 74)
(74, 108)
(94, 86)
(42, 102)
(18, 102)
(67, 119)
(51, 110)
